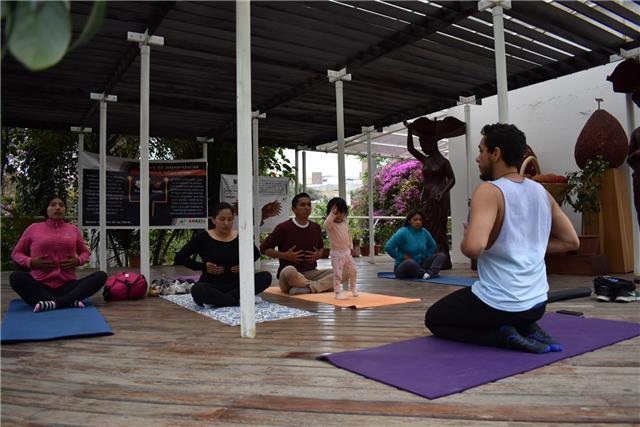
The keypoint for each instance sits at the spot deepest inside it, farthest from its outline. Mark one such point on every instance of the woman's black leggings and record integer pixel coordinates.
(32, 291)
(462, 316)
(226, 294)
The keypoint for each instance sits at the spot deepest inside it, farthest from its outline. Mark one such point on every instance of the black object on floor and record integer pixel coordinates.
(565, 294)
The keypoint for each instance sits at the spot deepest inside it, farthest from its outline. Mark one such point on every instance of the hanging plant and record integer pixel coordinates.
(38, 33)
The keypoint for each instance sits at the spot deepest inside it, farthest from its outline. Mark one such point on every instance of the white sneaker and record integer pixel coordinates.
(426, 276)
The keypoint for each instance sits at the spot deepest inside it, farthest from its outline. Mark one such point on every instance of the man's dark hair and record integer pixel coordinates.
(509, 138)
(340, 204)
(411, 214)
(294, 201)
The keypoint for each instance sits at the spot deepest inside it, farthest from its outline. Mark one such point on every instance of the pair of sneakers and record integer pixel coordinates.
(609, 289)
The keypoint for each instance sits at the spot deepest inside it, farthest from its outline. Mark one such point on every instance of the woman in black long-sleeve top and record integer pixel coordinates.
(219, 284)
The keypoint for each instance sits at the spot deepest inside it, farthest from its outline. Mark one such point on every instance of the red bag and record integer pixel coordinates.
(124, 286)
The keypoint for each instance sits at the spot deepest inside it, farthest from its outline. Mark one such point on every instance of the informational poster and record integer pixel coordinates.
(274, 203)
(177, 193)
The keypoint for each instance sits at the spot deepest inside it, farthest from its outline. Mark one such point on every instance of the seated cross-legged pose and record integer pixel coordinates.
(52, 250)
(413, 248)
(513, 223)
(341, 245)
(218, 248)
(299, 246)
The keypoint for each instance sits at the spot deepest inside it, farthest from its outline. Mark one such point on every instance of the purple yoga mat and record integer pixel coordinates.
(433, 367)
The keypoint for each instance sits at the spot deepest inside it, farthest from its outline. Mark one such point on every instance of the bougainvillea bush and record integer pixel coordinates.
(396, 190)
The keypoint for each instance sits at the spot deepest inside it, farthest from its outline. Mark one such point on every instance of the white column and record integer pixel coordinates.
(80, 131)
(337, 77)
(497, 8)
(102, 246)
(245, 187)
(102, 221)
(304, 171)
(145, 269)
(144, 40)
(257, 213)
(297, 187)
(631, 126)
(371, 168)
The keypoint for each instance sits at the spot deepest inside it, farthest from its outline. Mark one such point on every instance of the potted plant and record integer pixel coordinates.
(582, 196)
(356, 236)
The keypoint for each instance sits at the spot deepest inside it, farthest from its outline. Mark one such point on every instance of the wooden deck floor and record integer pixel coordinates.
(168, 366)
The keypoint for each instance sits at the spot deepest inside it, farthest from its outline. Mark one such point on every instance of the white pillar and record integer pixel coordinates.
(80, 131)
(371, 168)
(497, 8)
(245, 187)
(297, 187)
(102, 246)
(304, 171)
(257, 213)
(144, 40)
(338, 77)
(102, 221)
(145, 269)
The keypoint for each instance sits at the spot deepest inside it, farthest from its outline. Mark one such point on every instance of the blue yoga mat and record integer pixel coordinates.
(22, 324)
(433, 367)
(443, 280)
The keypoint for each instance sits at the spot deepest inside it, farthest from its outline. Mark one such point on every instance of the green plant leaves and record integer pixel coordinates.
(93, 24)
(40, 33)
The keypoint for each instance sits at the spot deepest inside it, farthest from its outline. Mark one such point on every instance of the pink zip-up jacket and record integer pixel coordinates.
(56, 239)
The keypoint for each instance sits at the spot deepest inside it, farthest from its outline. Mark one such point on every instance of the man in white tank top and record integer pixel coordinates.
(513, 222)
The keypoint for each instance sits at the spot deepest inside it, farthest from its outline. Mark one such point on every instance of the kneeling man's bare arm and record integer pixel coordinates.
(563, 236)
(482, 218)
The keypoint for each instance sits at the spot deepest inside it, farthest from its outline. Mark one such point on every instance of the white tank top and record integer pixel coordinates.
(513, 276)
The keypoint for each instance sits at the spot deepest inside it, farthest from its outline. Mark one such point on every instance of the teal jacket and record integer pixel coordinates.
(407, 240)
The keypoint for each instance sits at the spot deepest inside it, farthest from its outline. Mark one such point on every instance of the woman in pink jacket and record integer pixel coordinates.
(52, 250)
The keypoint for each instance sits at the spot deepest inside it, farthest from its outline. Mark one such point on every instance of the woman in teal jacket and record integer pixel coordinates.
(413, 248)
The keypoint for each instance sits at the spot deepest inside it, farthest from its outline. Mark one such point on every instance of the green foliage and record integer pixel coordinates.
(41, 163)
(273, 162)
(585, 185)
(11, 229)
(38, 33)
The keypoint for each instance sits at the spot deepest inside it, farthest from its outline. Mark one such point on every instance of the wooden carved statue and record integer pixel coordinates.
(437, 173)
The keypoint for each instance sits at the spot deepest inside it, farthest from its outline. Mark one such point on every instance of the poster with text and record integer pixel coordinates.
(177, 192)
(274, 203)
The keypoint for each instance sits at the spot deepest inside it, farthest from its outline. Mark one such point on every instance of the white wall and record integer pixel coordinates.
(551, 114)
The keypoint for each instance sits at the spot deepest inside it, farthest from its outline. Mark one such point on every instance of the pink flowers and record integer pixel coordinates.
(397, 187)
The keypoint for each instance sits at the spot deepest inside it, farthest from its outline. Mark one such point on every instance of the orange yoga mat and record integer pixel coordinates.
(364, 300)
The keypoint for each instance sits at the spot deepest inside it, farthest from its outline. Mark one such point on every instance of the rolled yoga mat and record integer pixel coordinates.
(552, 296)
(433, 367)
(22, 324)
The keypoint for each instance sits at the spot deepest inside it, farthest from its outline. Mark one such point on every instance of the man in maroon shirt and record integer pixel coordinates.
(299, 243)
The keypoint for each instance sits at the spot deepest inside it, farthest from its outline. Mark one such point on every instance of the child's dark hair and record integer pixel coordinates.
(340, 204)
(217, 209)
(47, 201)
(411, 214)
(294, 201)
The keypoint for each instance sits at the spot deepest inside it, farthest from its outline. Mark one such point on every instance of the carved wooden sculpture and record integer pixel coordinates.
(437, 173)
